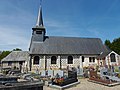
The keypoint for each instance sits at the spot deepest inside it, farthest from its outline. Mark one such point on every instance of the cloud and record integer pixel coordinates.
(61, 28)
(15, 28)
(11, 38)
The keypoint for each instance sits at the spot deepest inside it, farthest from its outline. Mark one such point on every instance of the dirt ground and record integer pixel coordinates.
(85, 85)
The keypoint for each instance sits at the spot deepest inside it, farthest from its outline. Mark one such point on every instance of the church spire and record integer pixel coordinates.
(39, 30)
(40, 18)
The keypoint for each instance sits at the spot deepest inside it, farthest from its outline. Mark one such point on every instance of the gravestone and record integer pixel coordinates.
(112, 69)
(50, 73)
(86, 75)
(103, 71)
(61, 73)
(43, 73)
(61, 81)
(78, 69)
(93, 74)
(37, 71)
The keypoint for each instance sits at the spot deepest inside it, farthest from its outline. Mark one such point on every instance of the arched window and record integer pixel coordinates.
(53, 60)
(112, 57)
(82, 58)
(36, 60)
(70, 60)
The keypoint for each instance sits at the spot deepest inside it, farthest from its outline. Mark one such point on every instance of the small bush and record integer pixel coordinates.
(116, 70)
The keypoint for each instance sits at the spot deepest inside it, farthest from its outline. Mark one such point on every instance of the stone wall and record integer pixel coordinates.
(77, 61)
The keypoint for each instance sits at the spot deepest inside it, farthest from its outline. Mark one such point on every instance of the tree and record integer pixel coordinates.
(114, 45)
(17, 49)
(108, 43)
(4, 54)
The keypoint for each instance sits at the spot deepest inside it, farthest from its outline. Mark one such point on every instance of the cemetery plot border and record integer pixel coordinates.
(105, 78)
(106, 84)
(64, 87)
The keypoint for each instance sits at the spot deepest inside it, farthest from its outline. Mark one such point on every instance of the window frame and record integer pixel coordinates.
(53, 60)
(111, 58)
(70, 60)
(91, 59)
(36, 61)
(9, 63)
(83, 59)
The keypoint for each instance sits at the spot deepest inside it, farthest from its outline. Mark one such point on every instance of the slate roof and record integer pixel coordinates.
(17, 56)
(104, 54)
(67, 45)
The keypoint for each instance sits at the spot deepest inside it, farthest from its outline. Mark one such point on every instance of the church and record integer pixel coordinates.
(53, 52)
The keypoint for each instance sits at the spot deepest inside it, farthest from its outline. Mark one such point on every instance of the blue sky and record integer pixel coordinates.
(72, 18)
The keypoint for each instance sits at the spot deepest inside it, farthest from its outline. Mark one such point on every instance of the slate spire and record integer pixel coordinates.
(40, 18)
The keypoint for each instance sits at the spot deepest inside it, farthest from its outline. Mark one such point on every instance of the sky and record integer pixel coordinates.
(68, 18)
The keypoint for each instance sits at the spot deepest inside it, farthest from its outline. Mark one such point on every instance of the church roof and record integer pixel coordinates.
(67, 45)
(17, 56)
(104, 54)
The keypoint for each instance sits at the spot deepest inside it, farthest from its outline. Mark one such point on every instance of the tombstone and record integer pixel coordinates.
(50, 73)
(59, 72)
(46, 73)
(86, 73)
(78, 69)
(93, 74)
(37, 71)
(103, 71)
(112, 69)
(81, 71)
(43, 73)
(57, 76)
(60, 81)
(73, 73)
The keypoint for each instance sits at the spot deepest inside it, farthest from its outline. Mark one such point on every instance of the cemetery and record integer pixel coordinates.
(60, 79)
(107, 76)
(19, 81)
(69, 79)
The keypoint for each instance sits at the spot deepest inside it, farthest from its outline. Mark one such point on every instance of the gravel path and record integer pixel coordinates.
(85, 85)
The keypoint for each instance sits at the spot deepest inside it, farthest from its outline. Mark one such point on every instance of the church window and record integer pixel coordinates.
(38, 32)
(91, 59)
(82, 58)
(36, 60)
(53, 60)
(112, 57)
(9, 63)
(70, 60)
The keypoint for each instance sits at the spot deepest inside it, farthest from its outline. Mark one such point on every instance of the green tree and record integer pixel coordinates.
(114, 45)
(4, 54)
(17, 49)
(108, 43)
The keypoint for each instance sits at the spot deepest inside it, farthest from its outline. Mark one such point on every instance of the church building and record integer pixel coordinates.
(59, 53)
(53, 52)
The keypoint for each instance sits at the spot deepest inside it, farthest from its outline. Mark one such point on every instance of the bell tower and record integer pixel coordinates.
(39, 30)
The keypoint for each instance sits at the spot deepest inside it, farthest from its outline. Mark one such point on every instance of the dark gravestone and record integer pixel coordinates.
(72, 77)
(72, 74)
